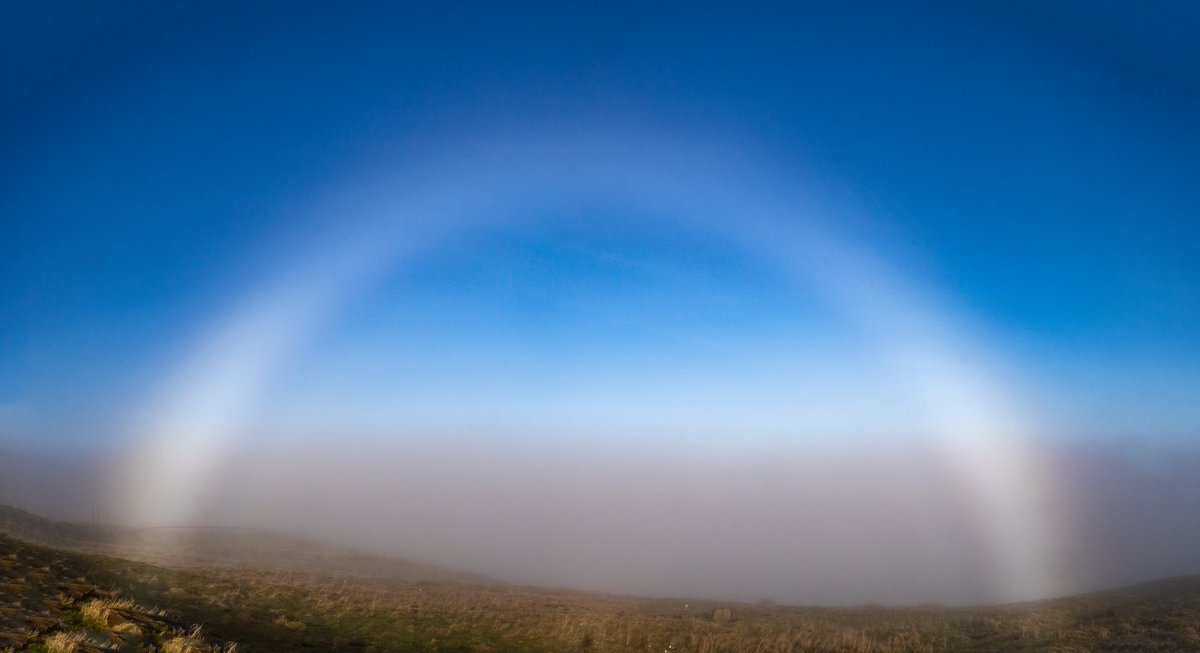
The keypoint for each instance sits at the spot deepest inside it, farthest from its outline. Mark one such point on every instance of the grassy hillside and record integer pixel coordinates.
(43, 593)
(53, 601)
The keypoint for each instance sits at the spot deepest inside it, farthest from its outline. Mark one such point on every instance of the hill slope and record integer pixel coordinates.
(274, 610)
(201, 547)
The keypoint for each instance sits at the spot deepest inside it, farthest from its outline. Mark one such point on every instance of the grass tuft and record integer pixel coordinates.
(64, 642)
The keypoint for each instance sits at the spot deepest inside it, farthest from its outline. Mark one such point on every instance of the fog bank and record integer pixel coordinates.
(867, 522)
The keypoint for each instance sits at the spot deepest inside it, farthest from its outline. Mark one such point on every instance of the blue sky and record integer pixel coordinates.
(909, 293)
(1033, 168)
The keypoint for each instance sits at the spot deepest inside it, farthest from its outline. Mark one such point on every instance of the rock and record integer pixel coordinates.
(116, 620)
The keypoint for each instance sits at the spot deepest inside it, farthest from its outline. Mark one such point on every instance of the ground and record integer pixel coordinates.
(57, 600)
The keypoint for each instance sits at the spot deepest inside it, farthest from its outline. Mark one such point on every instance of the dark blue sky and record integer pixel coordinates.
(1036, 168)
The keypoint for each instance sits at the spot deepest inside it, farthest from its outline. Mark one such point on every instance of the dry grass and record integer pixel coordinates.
(106, 614)
(64, 642)
(192, 641)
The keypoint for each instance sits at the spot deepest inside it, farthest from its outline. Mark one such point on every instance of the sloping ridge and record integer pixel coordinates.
(223, 547)
(39, 530)
(1172, 587)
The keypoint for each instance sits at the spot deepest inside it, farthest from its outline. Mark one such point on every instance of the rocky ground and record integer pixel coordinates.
(48, 603)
